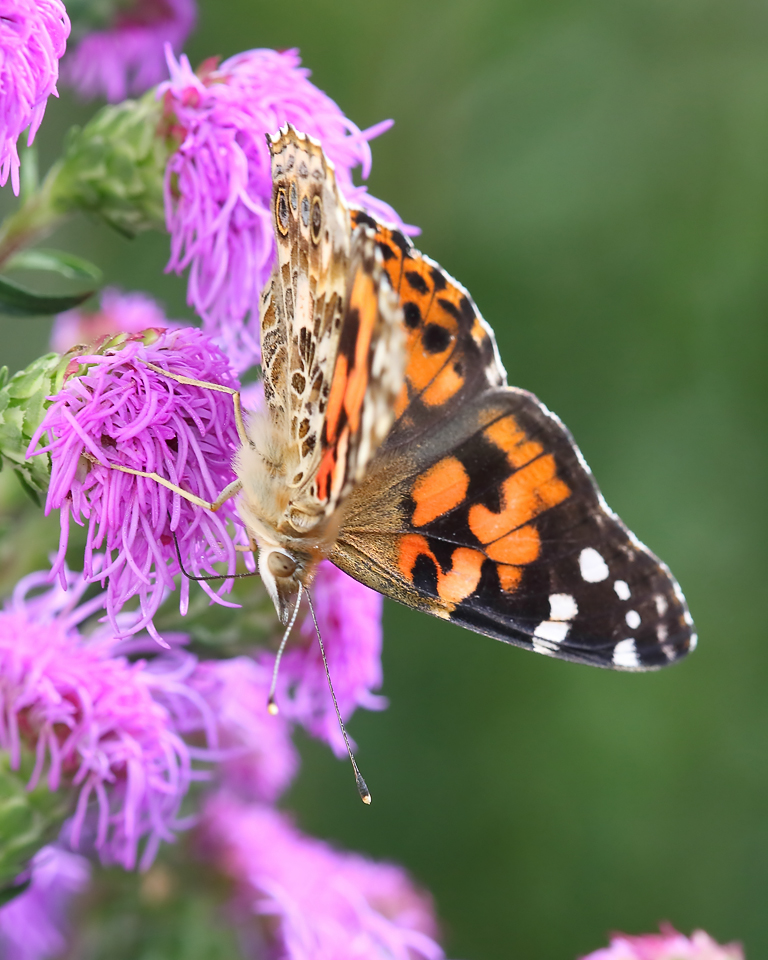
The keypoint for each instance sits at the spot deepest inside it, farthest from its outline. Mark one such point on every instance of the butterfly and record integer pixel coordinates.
(391, 444)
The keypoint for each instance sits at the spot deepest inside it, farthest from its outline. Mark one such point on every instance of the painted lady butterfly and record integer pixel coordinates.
(392, 444)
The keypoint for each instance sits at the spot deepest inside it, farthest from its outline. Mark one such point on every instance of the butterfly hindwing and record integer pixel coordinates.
(484, 512)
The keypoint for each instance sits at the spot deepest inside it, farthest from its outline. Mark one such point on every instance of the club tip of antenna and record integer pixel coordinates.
(272, 707)
(362, 789)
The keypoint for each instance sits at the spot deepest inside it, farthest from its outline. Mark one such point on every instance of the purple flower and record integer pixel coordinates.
(323, 904)
(118, 313)
(33, 925)
(667, 945)
(218, 184)
(129, 58)
(257, 759)
(33, 37)
(93, 721)
(114, 409)
(349, 618)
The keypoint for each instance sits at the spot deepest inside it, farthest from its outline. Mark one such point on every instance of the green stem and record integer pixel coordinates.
(35, 218)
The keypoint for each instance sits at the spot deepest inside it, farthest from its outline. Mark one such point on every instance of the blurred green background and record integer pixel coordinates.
(596, 173)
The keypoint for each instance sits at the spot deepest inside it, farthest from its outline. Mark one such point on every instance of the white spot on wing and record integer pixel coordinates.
(625, 654)
(693, 642)
(544, 646)
(622, 589)
(633, 619)
(593, 567)
(562, 606)
(662, 633)
(552, 630)
(661, 604)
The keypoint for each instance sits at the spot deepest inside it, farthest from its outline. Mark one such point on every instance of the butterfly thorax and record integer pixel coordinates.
(292, 536)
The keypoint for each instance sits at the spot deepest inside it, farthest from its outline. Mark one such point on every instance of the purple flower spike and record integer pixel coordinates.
(218, 184)
(118, 313)
(349, 617)
(667, 945)
(33, 925)
(94, 724)
(113, 409)
(324, 905)
(129, 58)
(33, 37)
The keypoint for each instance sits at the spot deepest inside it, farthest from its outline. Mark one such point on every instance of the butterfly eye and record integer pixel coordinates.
(280, 565)
(317, 218)
(281, 209)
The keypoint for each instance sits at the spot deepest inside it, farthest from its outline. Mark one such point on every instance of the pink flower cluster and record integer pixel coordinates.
(33, 37)
(218, 184)
(326, 905)
(129, 58)
(34, 925)
(92, 721)
(115, 410)
(667, 945)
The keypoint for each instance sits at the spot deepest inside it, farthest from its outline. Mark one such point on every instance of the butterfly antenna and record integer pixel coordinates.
(362, 786)
(271, 702)
(218, 576)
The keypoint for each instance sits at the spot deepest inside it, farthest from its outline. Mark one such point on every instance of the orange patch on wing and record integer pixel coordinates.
(527, 493)
(509, 577)
(507, 436)
(446, 385)
(336, 398)
(457, 583)
(364, 299)
(422, 367)
(518, 547)
(439, 490)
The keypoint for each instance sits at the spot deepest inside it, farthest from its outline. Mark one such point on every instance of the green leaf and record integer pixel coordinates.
(56, 261)
(17, 301)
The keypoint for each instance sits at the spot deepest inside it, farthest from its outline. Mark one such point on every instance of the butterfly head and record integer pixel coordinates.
(281, 573)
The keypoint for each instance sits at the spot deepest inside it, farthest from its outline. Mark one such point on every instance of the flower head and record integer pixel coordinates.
(33, 925)
(115, 410)
(325, 905)
(93, 721)
(667, 945)
(257, 759)
(118, 313)
(218, 184)
(33, 37)
(349, 618)
(129, 57)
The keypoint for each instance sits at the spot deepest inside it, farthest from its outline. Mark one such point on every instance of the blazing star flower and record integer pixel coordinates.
(114, 409)
(33, 37)
(93, 721)
(349, 618)
(324, 905)
(129, 58)
(33, 925)
(118, 313)
(257, 759)
(667, 945)
(218, 184)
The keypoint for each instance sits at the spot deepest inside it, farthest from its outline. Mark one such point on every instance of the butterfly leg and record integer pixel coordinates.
(206, 385)
(213, 505)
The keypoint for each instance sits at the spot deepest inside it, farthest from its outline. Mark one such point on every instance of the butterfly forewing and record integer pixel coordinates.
(479, 507)
(331, 333)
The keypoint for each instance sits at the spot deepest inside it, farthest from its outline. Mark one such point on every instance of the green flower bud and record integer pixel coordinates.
(113, 166)
(22, 406)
